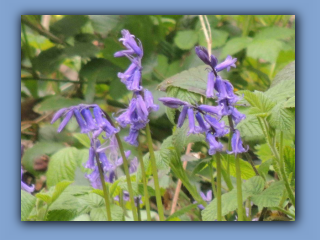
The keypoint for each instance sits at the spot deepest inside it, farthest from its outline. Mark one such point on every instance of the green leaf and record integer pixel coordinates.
(264, 153)
(289, 156)
(49, 60)
(27, 204)
(55, 103)
(62, 166)
(59, 188)
(270, 197)
(103, 24)
(290, 103)
(100, 214)
(37, 151)
(83, 217)
(235, 45)
(83, 139)
(229, 200)
(219, 38)
(282, 118)
(193, 80)
(61, 215)
(85, 50)
(264, 167)
(182, 211)
(282, 92)
(186, 40)
(286, 74)
(44, 197)
(250, 129)
(265, 49)
(275, 33)
(68, 26)
(261, 105)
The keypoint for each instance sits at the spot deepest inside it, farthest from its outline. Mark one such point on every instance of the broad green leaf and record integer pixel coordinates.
(182, 211)
(49, 60)
(290, 103)
(186, 39)
(85, 50)
(219, 38)
(282, 91)
(83, 139)
(263, 168)
(36, 152)
(68, 26)
(44, 197)
(62, 166)
(103, 24)
(264, 153)
(270, 197)
(265, 49)
(100, 214)
(59, 188)
(282, 118)
(193, 80)
(61, 215)
(289, 156)
(261, 105)
(235, 45)
(286, 74)
(250, 129)
(274, 32)
(54, 103)
(229, 200)
(27, 204)
(83, 217)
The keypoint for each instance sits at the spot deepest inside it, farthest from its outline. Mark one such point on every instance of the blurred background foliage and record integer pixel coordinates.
(67, 60)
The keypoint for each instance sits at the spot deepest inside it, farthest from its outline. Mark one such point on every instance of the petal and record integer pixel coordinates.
(65, 120)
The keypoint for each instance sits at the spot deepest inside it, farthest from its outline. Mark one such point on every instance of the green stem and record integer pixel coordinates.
(286, 212)
(155, 174)
(138, 209)
(122, 205)
(218, 160)
(239, 189)
(145, 183)
(212, 179)
(126, 170)
(104, 188)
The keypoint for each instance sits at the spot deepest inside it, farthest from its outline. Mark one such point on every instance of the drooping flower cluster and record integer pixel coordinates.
(208, 121)
(223, 91)
(141, 104)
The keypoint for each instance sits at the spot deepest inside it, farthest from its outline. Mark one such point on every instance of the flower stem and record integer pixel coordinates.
(219, 209)
(145, 183)
(138, 209)
(105, 188)
(213, 185)
(126, 170)
(155, 174)
(239, 189)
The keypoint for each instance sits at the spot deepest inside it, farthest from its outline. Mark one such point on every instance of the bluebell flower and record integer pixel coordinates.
(203, 125)
(133, 137)
(133, 165)
(206, 197)
(128, 40)
(148, 98)
(182, 116)
(236, 143)
(215, 110)
(65, 121)
(219, 127)
(193, 129)
(25, 186)
(226, 64)
(210, 85)
(214, 145)
(173, 102)
(236, 115)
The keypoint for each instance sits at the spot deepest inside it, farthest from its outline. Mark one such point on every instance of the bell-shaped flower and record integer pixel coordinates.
(203, 126)
(182, 116)
(133, 137)
(214, 145)
(203, 54)
(82, 124)
(226, 64)
(65, 121)
(236, 115)
(210, 85)
(219, 127)
(193, 129)
(206, 197)
(90, 163)
(173, 102)
(91, 124)
(25, 186)
(133, 165)
(236, 143)
(130, 43)
(148, 98)
(215, 110)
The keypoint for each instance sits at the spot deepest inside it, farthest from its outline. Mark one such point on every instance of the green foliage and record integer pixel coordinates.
(181, 212)
(186, 39)
(27, 204)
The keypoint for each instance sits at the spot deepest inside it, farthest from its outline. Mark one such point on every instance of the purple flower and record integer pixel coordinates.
(193, 129)
(236, 115)
(221, 88)
(182, 116)
(89, 120)
(226, 64)
(133, 137)
(25, 186)
(236, 143)
(90, 163)
(130, 43)
(219, 127)
(214, 145)
(173, 102)
(225, 109)
(58, 114)
(82, 124)
(216, 110)
(203, 126)
(210, 85)
(148, 98)
(204, 56)
(206, 197)
(133, 165)
(65, 121)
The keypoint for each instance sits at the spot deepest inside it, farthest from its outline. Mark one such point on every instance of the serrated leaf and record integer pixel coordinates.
(193, 80)
(62, 166)
(266, 49)
(100, 214)
(59, 188)
(186, 39)
(289, 156)
(229, 200)
(264, 153)
(235, 45)
(270, 197)
(27, 204)
(263, 168)
(282, 118)
(282, 92)
(261, 103)
(290, 103)
(61, 215)
(103, 24)
(286, 74)
(250, 129)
